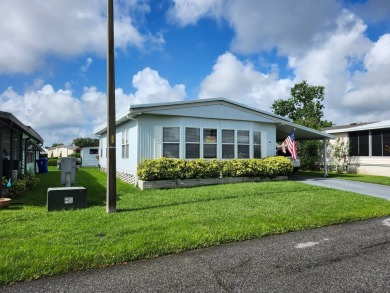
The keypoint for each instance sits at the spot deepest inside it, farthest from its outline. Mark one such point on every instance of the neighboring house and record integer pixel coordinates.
(208, 128)
(60, 151)
(20, 147)
(89, 156)
(369, 146)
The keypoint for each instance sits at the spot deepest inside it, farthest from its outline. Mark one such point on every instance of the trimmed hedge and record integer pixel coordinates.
(52, 162)
(170, 169)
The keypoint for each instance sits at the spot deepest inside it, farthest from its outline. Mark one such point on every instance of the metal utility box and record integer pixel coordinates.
(68, 171)
(60, 198)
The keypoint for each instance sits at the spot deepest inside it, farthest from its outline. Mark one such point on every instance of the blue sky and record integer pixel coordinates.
(53, 57)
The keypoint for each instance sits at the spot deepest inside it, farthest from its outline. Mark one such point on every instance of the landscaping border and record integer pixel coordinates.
(184, 183)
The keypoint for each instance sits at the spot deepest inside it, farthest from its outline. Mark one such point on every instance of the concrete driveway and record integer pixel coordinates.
(377, 190)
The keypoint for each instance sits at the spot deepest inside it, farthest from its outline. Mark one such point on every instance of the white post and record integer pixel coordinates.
(325, 162)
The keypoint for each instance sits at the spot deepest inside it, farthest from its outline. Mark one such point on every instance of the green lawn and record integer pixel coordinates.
(38, 243)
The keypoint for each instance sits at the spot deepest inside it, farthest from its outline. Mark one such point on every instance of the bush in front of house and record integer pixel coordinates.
(21, 185)
(161, 169)
(201, 168)
(278, 166)
(52, 162)
(170, 169)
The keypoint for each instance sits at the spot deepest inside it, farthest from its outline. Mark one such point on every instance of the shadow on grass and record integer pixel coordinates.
(94, 183)
(178, 203)
(212, 199)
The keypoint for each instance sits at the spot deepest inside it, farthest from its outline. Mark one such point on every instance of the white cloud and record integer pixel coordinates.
(324, 44)
(372, 10)
(291, 27)
(88, 63)
(188, 12)
(378, 59)
(329, 63)
(54, 114)
(369, 89)
(30, 30)
(263, 24)
(59, 116)
(152, 88)
(235, 80)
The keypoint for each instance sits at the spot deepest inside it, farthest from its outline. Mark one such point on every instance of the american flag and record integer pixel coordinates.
(291, 145)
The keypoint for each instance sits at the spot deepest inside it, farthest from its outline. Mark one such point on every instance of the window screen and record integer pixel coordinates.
(227, 144)
(243, 144)
(257, 144)
(171, 142)
(192, 143)
(376, 137)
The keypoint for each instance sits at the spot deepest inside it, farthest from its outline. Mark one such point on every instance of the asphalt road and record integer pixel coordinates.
(352, 257)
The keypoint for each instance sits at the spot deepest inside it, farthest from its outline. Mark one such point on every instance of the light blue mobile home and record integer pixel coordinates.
(209, 129)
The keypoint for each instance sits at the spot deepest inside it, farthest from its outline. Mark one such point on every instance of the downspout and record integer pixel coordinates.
(325, 162)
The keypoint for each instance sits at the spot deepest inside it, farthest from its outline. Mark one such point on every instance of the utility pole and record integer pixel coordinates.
(111, 143)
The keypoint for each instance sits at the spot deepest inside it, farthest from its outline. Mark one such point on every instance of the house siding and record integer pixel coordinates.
(370, 165)
(88, 159)
(147, 125)
(127, 165)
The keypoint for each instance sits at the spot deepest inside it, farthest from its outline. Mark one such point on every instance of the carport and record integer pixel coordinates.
(303, 133)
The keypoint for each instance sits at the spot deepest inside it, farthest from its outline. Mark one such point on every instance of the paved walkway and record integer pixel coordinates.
(377, 190)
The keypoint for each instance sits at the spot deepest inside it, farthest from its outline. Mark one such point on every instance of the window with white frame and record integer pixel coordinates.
(228, 142)
(192, 143)
(243, 144)
(94, 151)
(209, 143)
(171, 142)
(125, 144)
(256, 144)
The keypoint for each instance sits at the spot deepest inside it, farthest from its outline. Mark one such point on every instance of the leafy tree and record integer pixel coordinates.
(56, 144)
(82, 142)
(305, 107)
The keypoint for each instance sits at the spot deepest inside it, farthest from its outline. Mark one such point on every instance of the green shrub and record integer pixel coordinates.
(201, 168)
(278, 166)
(21, 185)
(164, 168)
(52, 162)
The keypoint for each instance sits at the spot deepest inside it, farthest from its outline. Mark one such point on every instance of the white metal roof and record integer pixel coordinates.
(284, 126)
(369, 126)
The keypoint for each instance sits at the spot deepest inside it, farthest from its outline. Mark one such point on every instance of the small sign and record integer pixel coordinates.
(68, 200)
